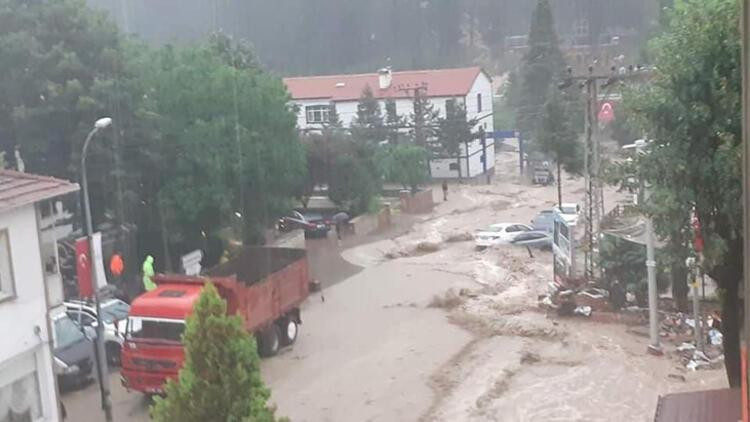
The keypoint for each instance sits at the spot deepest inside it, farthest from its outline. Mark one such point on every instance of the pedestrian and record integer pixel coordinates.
(148, 273)
(116, 267)
(445, 190)
(338, 229)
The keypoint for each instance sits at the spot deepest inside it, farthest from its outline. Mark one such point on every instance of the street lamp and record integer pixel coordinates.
(653, 304)
(101, 361)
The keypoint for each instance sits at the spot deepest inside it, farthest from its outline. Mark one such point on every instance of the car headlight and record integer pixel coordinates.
(71, 369)
(61, 367)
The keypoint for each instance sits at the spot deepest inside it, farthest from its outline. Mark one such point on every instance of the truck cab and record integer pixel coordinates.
(264, 286)
(153, 351)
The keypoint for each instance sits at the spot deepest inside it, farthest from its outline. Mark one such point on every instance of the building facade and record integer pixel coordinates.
(30, 287)
(314, 97)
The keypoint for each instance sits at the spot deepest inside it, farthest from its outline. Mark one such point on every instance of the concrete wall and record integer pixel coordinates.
(23, 318)
(370, 223)
(418, 203)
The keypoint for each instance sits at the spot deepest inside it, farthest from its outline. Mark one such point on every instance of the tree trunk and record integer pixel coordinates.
(559, 185)
(458, 162)
(730, 327)
(729, 276)
(680, 286)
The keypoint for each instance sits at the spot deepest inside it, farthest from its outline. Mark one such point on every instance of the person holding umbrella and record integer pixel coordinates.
(340, 219)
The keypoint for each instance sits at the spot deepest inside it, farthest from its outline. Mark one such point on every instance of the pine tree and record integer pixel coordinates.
(334, 120)
(368, 125)
(542, 65)
(454, 130)
(423, 118)
(558, 140)
(220, 380)
(393, 121)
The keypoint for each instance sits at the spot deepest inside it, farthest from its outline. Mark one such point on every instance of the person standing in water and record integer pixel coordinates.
(445, 190)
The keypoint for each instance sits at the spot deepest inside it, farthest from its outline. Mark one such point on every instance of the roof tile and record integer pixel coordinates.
(439, 83)
(18, 189)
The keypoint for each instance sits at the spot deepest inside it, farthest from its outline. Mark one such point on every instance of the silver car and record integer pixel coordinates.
(114, 316)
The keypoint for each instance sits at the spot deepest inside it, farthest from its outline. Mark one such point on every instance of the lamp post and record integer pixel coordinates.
(653, 298)
(101, 361)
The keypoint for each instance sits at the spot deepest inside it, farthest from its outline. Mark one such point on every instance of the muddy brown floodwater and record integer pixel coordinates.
(376, 350)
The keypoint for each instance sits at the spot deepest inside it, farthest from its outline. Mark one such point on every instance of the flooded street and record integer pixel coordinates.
(415, 324)
(377, 349)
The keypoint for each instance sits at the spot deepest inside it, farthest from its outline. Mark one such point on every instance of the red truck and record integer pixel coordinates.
(264, 285)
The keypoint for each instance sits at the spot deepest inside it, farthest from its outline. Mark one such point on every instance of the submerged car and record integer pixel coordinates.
(533, 239)
(499, 234)
(544, 221)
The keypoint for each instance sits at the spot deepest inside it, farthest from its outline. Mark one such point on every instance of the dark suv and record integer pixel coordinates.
(73, 350)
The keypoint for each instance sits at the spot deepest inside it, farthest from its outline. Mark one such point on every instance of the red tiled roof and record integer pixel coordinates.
(439, 83)
(18, 189)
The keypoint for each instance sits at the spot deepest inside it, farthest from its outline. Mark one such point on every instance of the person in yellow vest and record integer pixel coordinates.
(148, 273)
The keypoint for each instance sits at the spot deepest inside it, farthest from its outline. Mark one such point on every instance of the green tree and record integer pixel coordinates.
(353, 184)
(423, 118)
(542, 64)
(229, 138)
(393, 121)
(693, 114)
(406, 165)
(220, 379)
(334, 120)
(368, 125)
(558, 140)
(454, 130)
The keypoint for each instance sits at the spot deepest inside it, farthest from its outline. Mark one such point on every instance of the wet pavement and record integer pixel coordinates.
(326, 265)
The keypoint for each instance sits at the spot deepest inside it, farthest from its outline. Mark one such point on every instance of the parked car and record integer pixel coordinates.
(73, 350)
(114, 317)
(544, 221)
(569, 211)
(533, 239)
(499, 234)
(314, 225)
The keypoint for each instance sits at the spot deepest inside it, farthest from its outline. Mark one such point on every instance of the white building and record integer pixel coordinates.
(29, 287)
(314, 96)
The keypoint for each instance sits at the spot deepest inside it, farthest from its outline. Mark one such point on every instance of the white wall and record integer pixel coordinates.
(347, 110)
(471, 163)
(24, 318)
(482, 85)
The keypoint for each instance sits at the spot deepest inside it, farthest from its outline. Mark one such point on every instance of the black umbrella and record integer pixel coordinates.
(340, 217)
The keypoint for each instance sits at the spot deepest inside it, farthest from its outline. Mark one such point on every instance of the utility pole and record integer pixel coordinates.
(594, 198)
(745, 332)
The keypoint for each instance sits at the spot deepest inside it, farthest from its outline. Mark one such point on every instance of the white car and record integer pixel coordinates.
(114, 316)
(499, 234)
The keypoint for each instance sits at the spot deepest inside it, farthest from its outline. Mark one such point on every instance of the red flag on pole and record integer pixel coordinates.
(83, 268)
(697, 236)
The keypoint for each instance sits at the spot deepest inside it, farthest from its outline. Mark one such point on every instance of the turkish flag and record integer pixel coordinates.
(697, 234)
(83, 268)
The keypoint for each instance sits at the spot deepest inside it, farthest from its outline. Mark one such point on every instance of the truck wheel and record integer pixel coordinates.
(269, 341)
(289, 330)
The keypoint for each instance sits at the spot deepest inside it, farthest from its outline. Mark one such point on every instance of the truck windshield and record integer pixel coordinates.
(155, 329)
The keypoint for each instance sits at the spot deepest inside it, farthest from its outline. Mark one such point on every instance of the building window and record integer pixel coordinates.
(20, 400)
(479, 102)
(453, 166)
(317, 113)
(7, 284)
